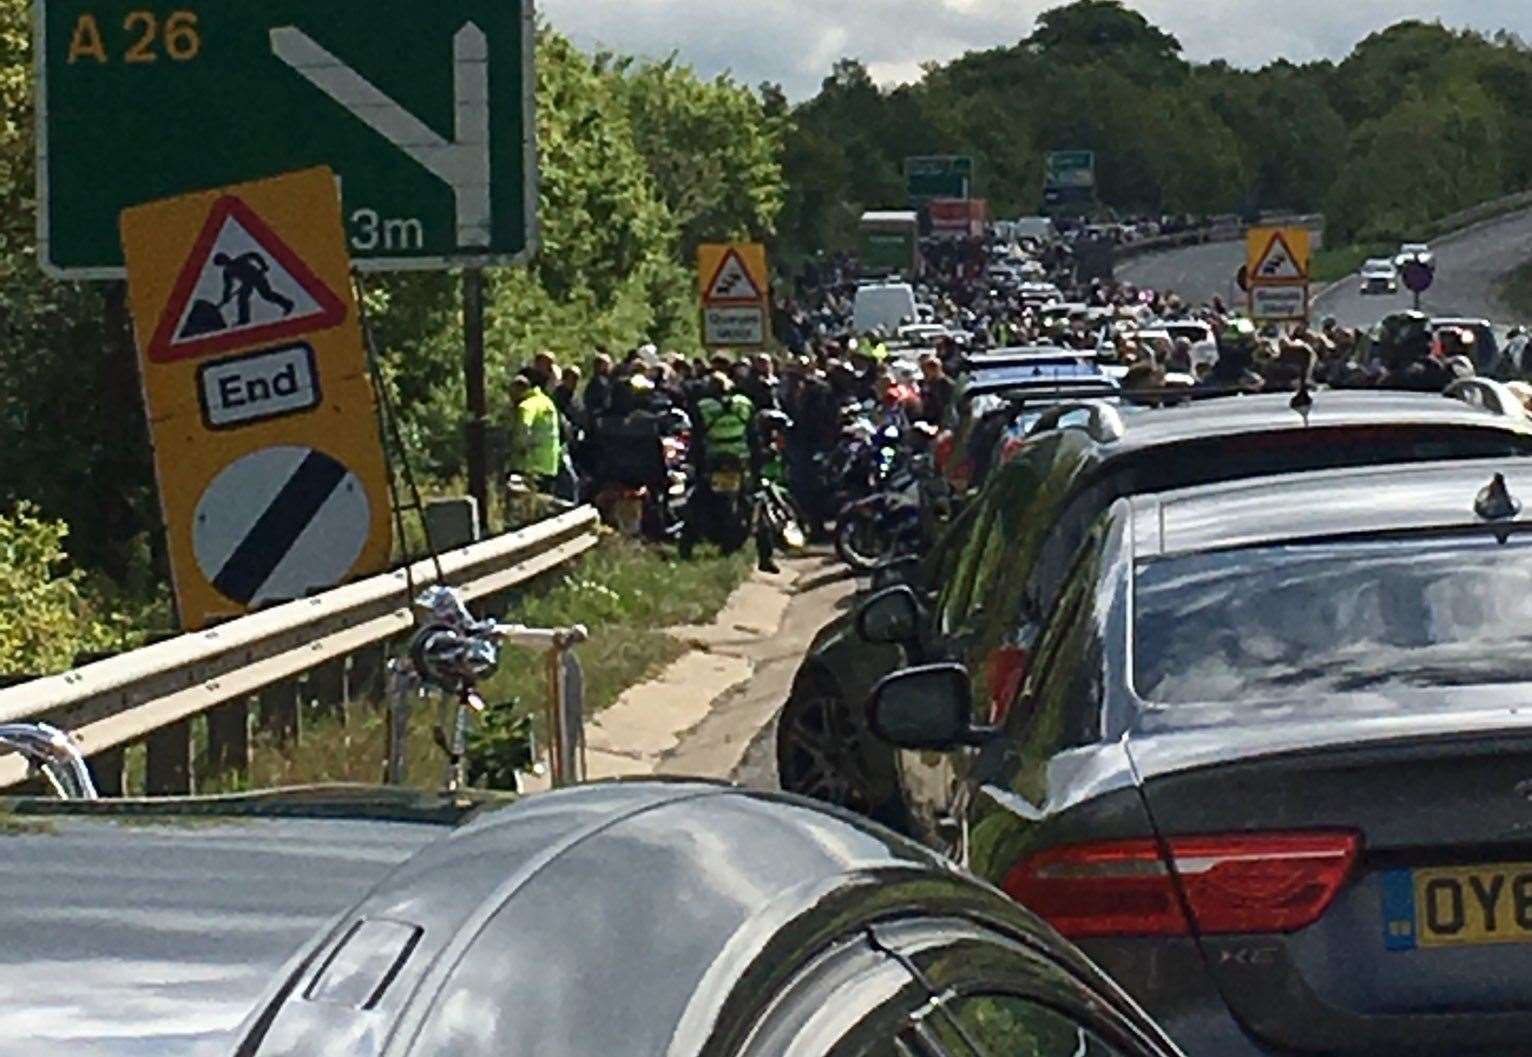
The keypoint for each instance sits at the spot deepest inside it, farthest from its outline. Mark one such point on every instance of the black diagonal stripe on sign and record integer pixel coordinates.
(279, 527)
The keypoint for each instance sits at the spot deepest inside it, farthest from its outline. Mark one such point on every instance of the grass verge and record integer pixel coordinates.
(1334, 263)
(625, 594)
(1514, 291)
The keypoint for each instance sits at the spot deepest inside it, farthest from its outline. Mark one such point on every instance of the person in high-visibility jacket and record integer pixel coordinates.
(726, 453)
(536, 445)
(724, 418)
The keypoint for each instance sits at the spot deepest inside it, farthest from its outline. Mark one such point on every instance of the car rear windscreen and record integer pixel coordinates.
(1207, 460)
(1296, 622)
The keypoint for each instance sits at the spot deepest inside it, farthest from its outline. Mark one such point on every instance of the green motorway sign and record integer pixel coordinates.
(1070, 168)
(424, 110)
(938, 176)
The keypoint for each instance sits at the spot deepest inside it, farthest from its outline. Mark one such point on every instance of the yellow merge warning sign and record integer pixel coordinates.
(271, 472)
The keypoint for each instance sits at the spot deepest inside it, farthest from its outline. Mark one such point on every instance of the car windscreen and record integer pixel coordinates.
(1297, 622)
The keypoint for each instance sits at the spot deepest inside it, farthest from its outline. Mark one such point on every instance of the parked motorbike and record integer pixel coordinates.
(890, 523)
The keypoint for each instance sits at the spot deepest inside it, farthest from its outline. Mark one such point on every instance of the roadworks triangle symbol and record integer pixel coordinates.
(1278, 262)
(241, 285)
(732, 282)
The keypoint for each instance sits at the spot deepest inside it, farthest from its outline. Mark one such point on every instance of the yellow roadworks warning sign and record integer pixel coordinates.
(271, 471)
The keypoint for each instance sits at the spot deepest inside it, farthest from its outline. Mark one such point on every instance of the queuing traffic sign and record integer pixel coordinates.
(734, 288)
(1277, 274)
(1277, 254)
(437, 170)
(271, 471)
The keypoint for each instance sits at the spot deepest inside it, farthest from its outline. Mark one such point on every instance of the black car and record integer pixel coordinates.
(991, 579)
(628, 918)
(1271, 762)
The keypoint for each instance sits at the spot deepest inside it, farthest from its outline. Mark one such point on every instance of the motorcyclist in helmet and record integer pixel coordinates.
(1404, 345)
(1236, 358)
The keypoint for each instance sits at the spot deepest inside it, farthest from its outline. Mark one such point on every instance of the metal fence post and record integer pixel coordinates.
(108, 770)
(228, 738)
(279, 711)
(169, 768)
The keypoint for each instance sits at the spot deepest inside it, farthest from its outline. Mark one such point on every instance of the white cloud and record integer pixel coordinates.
(795, 42)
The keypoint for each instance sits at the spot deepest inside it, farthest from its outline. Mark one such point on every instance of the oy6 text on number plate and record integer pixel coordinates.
(423, 110)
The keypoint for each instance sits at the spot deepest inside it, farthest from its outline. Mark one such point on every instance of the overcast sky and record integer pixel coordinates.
(794, 42)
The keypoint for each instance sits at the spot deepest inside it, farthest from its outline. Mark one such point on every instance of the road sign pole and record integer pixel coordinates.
(473, 378)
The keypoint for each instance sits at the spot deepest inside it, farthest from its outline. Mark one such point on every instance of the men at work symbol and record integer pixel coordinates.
(243, 277)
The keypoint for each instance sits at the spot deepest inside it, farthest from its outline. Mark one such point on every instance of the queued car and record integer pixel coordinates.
(1380, 276)
(1032, 517)
(1005, 392)
(676, 918)
(1419, 252)
(1485, 346)
(1269, 766)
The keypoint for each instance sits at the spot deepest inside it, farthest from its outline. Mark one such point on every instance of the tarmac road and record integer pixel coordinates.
(1469, 264)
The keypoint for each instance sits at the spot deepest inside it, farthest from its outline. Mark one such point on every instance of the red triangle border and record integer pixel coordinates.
(731, 253)
(331, 314)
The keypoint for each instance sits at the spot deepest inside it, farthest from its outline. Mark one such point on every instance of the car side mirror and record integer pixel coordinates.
(894, 573)
(892, 617)
(926, 709)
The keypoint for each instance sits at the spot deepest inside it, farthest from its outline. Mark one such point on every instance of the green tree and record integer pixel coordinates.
(713, 152)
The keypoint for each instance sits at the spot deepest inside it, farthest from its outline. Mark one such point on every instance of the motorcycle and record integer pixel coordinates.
(775, 506)
(889, 523)
(648, 476)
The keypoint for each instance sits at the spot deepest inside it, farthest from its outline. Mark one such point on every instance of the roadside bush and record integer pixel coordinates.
(45, 618)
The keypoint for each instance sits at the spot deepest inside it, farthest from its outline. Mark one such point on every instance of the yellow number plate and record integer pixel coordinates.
(1463, 905)
(727, 481)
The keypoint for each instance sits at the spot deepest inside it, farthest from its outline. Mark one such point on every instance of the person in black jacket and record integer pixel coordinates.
(598, 391)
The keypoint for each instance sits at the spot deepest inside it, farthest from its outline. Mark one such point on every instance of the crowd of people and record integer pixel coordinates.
(574, 429)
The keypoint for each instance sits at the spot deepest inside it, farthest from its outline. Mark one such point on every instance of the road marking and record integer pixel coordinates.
(462, 164)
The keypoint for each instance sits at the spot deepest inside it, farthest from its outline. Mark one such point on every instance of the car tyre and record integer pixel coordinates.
(819, 746)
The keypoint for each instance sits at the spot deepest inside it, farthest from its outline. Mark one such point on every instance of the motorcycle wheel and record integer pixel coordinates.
(861, 542)
(788, 523)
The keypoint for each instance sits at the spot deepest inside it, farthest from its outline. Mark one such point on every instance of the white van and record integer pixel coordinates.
(883, 305)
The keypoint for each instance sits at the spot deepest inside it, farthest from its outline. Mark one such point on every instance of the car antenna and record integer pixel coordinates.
(1303, 400)
(1496, 503)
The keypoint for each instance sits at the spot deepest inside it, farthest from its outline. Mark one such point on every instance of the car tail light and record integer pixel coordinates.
(1254, 882)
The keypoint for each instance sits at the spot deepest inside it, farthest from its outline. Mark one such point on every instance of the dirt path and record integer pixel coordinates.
(711, 713)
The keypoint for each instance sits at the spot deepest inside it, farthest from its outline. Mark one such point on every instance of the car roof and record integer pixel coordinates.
(1321, 504)
(1336, 408)
(588, 885)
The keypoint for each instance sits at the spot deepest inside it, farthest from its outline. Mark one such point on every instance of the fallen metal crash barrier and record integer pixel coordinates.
(323, 650)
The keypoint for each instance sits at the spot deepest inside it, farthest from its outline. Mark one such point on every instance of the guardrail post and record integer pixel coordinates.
(325, 688)
(169, 769)
(228, 738)
(107, 770)
(364, 674)
(279, 711)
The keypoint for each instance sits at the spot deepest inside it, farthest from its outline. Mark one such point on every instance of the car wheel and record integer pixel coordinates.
(819, 748)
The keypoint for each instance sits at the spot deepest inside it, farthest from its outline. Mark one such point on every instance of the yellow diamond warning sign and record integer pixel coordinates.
(271, 471)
